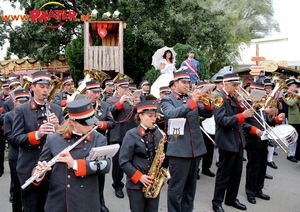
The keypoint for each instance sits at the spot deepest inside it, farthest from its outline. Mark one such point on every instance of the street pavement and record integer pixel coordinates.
(284, 190)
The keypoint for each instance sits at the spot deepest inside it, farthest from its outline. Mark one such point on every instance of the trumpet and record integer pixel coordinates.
(264, 124)
(206, 99)
(291, 95)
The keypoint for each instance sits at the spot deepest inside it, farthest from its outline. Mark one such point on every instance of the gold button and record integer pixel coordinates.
(81, 186)
(84, 149)
(69, 141)
(39, 147)
(69, 168)
(68, 186)
(82, 176)
(69, 176)
(85, 142)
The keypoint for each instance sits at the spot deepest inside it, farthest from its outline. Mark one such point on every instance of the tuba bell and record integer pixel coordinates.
(55, 87)
(26, 82)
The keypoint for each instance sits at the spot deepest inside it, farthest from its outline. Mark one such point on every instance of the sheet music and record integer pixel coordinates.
(99, 153)
(137, 93)
(206, 87)
(256, 95)
(177, 125)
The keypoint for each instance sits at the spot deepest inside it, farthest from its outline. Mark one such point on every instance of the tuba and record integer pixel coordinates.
(278, 86)
(26, 82)
(55, 87)
(158, 173)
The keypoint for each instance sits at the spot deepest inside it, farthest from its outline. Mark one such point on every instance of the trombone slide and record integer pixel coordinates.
(214, 143)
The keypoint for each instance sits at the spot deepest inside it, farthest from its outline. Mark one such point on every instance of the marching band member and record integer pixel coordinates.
(20, 96)
(229, 138)
(8, 105)
(145, 86)
(257, 150)
(3, 97)
(30, 128)
(73, 175)
(219, 86)
(137, 154)
(132, 87)
(269, 85)
(109, 89)
(186, 150)
(105, 122)
(63, 97)
(171, 85)
(123, 110)
(293, 117)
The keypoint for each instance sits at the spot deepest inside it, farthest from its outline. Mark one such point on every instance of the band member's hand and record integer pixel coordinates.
(136, 99)
(196, 95)
(99, 124)
(65, 157)
(123, 99)
(41, 166)
(271, 111)
(239, 99)
(146, 180)
(45, 129)
(162, 157)
(54, 120)
(259, 133)
(281, 116)
(248, 113)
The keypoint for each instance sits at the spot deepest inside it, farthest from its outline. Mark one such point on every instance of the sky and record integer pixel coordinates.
(285, 12)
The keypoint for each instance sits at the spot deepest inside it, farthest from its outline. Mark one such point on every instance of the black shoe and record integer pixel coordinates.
(217, 208)
(104, 208)
(272, 165)
(218, 164)
(119, 193)
(292, 158)
(263, 196)
(244, 159)
(237, 205)
(251, 199)
(267, 176)
(275, 153)
(208, 172)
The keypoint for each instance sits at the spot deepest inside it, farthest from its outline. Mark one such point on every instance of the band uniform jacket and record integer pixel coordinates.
(73, 190)
(134, 158)
(27, 120)
(123, 116)
(229, 120)
(2, 100)
(250, 127)
(8, 105)
(13, 151)
(191, 144)
(60, 98)
(104, 115)
(106, 95)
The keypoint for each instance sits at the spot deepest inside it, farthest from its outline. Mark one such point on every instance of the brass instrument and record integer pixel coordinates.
(53, 161)
(158, 173)
(206, 99)
(130, 97)
(290, 95)
(278, 86)
(265, 125)
(26, 82)
(55, 87)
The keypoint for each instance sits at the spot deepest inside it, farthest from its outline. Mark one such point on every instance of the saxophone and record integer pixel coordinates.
(158, 173)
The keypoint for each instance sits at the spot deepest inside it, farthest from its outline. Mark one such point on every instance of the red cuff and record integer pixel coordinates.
(277, 120)
(81, 168)
(104, 125)
(192, 104)
(208, 107)
(63, 103)
(241, 118)
(32, 139)
(137, 175)
(241, 108)
(1, 109)
(119, 105)
(253, 130)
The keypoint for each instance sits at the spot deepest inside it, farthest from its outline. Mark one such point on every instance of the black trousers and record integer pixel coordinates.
(182, 184)
(256, 170)
(15, 187)
(2, 150)
(34, 197)
(139, 203)
(208, 157)
(101, 179)
(228, 176)
(117, 173)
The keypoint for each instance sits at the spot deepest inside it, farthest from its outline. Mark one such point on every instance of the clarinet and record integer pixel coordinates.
(53, 161)
(48, 112)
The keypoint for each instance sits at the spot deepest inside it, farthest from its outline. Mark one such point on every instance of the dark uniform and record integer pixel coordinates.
(184, 155)
(2, 137)
(124, 118)
(230, 142)
(61, 98)
(135, 161)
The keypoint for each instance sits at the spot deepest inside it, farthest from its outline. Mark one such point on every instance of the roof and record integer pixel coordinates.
(281, 69)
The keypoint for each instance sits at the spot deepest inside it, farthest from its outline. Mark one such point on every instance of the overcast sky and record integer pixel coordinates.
(285, 12)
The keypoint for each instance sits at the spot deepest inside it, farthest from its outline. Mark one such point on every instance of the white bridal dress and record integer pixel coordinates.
(164, 79)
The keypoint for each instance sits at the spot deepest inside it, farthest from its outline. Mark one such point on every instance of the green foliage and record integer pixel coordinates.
(151, 75)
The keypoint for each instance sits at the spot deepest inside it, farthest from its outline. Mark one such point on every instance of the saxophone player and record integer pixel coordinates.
(136, 156)
(185, 151)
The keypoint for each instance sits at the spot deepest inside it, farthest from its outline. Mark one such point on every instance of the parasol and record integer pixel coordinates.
(158, 56)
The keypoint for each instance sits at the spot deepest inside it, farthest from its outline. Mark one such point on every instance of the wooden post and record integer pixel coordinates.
(257, 52)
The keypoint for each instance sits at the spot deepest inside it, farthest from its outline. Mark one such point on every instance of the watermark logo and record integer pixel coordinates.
(51, 15)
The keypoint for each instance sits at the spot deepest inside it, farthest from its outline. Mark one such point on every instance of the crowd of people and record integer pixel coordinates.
(141, 123)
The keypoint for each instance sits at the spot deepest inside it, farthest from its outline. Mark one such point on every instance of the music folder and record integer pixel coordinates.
(102, 152)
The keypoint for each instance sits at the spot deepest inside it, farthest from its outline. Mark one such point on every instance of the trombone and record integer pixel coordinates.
(264, 124)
